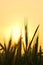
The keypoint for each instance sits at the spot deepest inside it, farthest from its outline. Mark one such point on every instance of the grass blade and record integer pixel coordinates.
(33, 36)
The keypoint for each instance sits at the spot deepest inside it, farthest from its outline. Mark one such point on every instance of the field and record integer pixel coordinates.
(12, 55)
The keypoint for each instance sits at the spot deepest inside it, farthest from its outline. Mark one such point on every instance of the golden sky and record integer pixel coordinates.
(14, 12)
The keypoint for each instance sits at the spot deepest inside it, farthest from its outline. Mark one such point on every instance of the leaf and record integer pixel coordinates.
(26, 36)
(5, 46)
(9, 45)
(33, 36)
(2, 46)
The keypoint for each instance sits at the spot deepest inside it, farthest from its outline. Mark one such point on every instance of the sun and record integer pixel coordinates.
(16, 33)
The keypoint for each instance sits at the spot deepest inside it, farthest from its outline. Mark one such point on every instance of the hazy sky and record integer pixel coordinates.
(14, 12)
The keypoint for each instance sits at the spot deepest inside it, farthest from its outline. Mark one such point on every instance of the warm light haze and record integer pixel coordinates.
(12, 18)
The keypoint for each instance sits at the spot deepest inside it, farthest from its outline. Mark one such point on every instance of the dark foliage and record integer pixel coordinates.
(11, 55)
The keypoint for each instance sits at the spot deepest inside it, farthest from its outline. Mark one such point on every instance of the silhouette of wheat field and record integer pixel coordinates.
(12, 55)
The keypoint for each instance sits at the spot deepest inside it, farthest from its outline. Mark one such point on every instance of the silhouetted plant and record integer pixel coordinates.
(26, 36)
(18, 55)
(33, 36)
(40, 56)
(8, 55)
(11, 55)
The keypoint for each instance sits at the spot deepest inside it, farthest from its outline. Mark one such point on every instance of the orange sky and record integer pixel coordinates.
(14, 12)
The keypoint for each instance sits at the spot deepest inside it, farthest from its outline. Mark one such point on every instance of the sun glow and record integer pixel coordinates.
(15, 33)
(30, 36)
